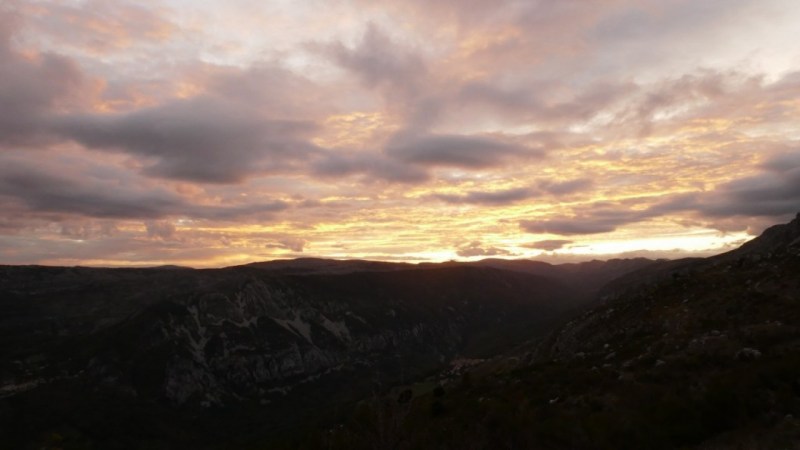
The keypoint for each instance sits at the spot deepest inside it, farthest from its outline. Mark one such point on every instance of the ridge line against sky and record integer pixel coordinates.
(210, 133)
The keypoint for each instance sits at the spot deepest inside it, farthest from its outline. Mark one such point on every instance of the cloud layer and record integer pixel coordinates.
(230, 132)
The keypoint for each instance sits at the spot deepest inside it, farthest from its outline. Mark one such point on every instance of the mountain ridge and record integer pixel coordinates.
(703, 354)
(247, 356)
(202, 344)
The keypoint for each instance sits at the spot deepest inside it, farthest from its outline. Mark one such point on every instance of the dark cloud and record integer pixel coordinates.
(48, 192)
(203, 139)
(397, 72)
(380, 62)
(548, 245)
(161, 229)
(783, 163)
(773, 193)
(476, 248)
(495, 198)
(31, 86)
(371, 167)
(408, 156)
(566, 187)
(572, 226)
(605, 217)
(246, 123)
(263, 210)
(465, 151)
(103, 197)
(532, 101)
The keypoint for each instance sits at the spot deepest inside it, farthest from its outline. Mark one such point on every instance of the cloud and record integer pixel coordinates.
(773, 193)
(100, 26)
(41, 191)
(105, 196)
(783, 163)
(161, 229)
(548, 245)
(566, 187)
(464, 151)
(370, 166)
(572, 226)
(495, 198)
(398, 73)
(259, 210)
(203, 139)
(380, 62)
(294, 244)
(85, 230)
(242, 123)
(538, 100)
(605, 217)
(30, 87)
(476, 248)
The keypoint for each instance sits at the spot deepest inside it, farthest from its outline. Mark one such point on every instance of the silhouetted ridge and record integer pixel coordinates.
(697, 354)
(775, 240)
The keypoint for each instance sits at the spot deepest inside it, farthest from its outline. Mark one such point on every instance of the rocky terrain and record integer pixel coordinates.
(696, 354)
(170, 356)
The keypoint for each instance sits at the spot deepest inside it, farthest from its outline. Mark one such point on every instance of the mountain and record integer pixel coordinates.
(701, 353)
(170, 357)
(330, 266)
(313, 353)
(586, 277)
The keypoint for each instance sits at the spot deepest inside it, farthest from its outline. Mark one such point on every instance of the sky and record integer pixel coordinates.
(212, 133)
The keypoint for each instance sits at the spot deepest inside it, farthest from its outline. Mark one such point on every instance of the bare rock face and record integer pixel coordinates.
(261, 344)
(262, 341)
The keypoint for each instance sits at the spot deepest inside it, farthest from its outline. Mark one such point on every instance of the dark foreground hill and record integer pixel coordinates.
(698, 354)
(173, 357)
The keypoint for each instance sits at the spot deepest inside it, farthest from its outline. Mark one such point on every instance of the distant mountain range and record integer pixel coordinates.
(604, 354)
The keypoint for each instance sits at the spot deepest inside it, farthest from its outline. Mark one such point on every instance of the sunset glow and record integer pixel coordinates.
(211, 133)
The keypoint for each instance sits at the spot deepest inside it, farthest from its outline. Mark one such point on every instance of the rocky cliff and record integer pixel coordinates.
(259, 348)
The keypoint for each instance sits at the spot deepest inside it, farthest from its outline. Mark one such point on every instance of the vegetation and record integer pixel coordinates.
(707, 356)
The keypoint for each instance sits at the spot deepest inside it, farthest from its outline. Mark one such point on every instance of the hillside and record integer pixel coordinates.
(695, 353)
(175, 357)
(699, 354)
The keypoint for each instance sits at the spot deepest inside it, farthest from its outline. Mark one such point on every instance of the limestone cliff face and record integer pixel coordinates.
(261, 341)
(220, 338)
(199, 358)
